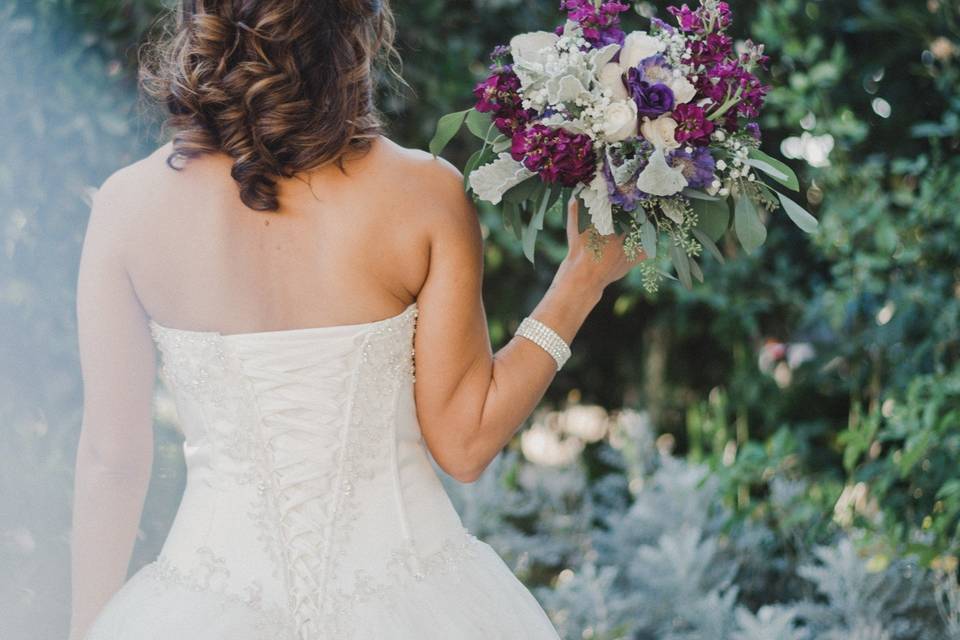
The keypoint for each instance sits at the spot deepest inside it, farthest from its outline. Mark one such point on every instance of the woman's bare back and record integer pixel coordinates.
(344, 248)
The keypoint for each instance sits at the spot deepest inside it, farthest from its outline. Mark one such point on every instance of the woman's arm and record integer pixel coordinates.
(115, 451)
(470, 401)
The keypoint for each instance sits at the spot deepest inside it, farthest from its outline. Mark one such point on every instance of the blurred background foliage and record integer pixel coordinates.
(800, 411)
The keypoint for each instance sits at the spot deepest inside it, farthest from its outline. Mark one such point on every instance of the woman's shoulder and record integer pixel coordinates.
(432, 182)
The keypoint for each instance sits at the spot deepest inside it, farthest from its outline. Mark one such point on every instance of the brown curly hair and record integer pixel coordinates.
(281, 86)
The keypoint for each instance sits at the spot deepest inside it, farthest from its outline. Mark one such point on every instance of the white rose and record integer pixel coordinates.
(637, 46)
(529, 47)
(610, 80)
(683, 91)
(620, 120)
(660, 132)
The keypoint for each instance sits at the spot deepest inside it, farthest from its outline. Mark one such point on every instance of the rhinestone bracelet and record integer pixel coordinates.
(546, 338)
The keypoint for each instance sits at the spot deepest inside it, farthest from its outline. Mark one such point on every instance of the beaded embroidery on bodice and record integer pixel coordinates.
(309, 486)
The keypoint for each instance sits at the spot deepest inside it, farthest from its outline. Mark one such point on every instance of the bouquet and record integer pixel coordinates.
(654, 132)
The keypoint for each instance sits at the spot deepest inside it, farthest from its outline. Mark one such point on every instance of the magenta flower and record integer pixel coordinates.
(701, 19)
(557, 155)
(601, 25)
(688, 19)
(692, 124)
(499, 95)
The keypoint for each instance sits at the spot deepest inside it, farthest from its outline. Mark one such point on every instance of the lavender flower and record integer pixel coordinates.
(696, 163)
(626, 195)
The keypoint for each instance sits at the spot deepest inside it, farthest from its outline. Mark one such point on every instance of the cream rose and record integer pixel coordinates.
(637, 46)
(620, 120)
(529, 47)
(683, 91)
(660, 132)
(611, 80)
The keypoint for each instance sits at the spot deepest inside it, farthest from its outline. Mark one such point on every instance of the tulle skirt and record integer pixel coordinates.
(479, 599)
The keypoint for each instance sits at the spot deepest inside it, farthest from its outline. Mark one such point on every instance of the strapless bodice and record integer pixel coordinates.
(309, 486)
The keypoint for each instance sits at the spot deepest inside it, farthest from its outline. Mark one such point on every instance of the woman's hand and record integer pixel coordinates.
(582, 265)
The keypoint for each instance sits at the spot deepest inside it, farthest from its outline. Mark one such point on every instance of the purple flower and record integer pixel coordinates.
(697, 165)
(556, 154)
(627, 195)
(692, 124)
(753, 129)
(652, 99)
(727, 79)
(600, 24)
(499, 95)
(702, 19)
(688, 19)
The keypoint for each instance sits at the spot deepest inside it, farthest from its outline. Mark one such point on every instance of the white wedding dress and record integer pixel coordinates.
(312, 510)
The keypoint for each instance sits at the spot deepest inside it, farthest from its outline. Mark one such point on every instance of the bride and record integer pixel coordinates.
(287, 261)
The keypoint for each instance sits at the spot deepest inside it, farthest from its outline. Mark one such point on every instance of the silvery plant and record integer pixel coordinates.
(650, 552)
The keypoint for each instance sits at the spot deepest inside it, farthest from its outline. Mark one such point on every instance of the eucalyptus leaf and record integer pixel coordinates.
(713, 217)
(512, 219)
(774, 168)
(800, 216)
(680, 263)
(524, 190)
(500, 143)
(447, 127)
(529, 238)
(476, 159)
(696, 194)
(479, 123)
(583, 217)
(695, 270)
(708, 244)
(747, 224)
(648, 237)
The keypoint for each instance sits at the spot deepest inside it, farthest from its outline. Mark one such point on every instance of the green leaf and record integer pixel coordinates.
(680, 263)
(747, 224)
(583, 216)
(648, 237)
(696, 194)
(500, 143)
(447, 127)
(774, 168)
(695, 270)
(512, 219)
(529, 239)
(479, 124)
(713, 217)
(708, 244)
(524, 190)
(474, 161)
(800, 216)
